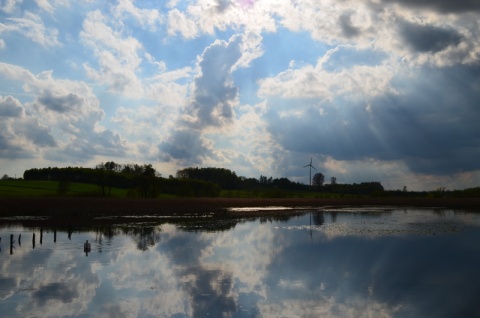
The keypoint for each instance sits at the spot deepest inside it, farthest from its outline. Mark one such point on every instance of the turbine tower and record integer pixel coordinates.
(311, 166)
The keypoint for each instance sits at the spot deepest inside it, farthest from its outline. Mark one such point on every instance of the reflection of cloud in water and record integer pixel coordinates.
(359, 276)
(258, 269)
(58, 291)
(149, 279)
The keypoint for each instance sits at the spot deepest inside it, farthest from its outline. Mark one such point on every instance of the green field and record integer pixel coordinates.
(22, 188)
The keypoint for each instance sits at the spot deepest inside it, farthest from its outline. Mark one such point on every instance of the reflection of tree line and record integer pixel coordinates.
(144, 236)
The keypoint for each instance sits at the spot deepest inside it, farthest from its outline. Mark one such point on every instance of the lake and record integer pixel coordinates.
(342, 262)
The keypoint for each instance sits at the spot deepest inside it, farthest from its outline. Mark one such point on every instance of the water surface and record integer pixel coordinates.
(362, 262)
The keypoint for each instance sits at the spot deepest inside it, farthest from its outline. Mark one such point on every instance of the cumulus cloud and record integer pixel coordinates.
(64, 106)
(10, 107)
(13, 149)
(213, 99)
(37, 133)
(310, 81)
(215, 94)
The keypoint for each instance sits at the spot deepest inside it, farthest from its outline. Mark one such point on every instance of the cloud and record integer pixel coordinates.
(185, 145)
(348, 29)
(146, 17)
(65, 103)
(10, 149)
(179, 23)
(32, 27)
(45, 5)
(443, 6)
(60, 291)
(213, 99)
(72, 114)
(8, 6)
(214, 93)
(427, 38)
(431, 132)
(317, 81)
(118, 56)
(38, 134)
(10, 107)
(256, 85)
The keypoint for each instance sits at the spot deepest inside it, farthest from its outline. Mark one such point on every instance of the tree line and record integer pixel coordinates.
(145, 181)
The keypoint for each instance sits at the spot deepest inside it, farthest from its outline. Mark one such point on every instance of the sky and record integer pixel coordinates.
(369, 90)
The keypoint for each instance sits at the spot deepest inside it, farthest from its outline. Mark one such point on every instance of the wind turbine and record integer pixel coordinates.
(311, 166)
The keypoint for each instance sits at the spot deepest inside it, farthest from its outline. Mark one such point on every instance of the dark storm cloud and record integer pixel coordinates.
(10, 107)
(427, 38)
(62, 103)
(443, 6)
(348, 29)
(432, 126)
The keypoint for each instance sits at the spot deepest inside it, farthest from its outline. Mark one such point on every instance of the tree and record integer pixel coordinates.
(318, 179)
(333, 180)
(5, 177)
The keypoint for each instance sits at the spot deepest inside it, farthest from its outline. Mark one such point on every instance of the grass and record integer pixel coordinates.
(26, 188)
(32, 189)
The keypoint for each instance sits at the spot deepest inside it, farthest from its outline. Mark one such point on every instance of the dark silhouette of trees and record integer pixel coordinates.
(144, 181)
(225, 178)
(106, 173)
(318, 179)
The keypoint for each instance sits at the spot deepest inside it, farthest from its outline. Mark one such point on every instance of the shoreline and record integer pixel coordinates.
(66, 206)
